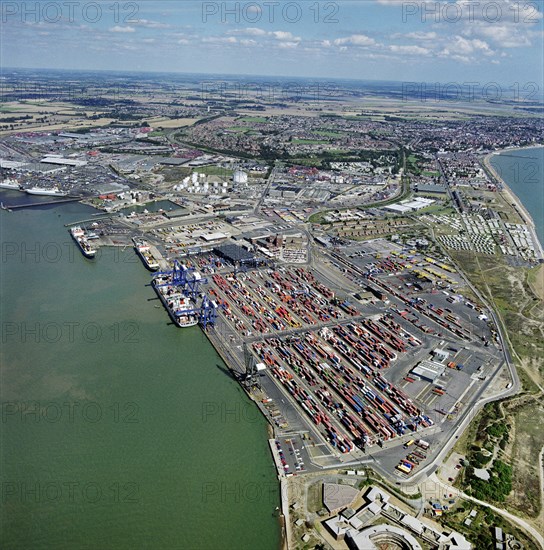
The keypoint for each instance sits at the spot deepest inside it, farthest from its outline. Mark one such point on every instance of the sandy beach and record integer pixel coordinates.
(512, 198)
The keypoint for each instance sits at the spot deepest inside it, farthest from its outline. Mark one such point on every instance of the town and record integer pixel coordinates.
(324, 246)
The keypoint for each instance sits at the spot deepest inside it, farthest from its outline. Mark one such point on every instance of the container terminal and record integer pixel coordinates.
(350, 354)
(367, 355)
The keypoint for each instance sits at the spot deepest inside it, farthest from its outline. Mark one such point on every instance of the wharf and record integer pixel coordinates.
(90, 220)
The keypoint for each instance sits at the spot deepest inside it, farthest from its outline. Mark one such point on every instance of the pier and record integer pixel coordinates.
(47, 203)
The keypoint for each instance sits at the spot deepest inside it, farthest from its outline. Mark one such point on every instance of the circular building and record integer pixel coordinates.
(382, 536)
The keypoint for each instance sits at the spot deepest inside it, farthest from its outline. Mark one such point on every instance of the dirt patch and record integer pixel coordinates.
(536, 281)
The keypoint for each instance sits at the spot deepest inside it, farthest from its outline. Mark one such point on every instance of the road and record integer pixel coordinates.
(271, 179)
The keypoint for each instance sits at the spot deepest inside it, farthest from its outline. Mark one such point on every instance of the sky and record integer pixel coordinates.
(459, 41)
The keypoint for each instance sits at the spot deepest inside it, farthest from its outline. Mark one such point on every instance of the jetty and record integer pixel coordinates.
(46, 203)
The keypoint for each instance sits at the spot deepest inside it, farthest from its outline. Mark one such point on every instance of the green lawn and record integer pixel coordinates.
(5, 109)
(256, 119)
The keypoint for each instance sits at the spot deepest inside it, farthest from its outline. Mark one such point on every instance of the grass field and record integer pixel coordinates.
(309, 141)
(511, 290)
(168, 123)
(7, 109)
(255, 119)
(523, 452)
(214, 171)
(239, 129)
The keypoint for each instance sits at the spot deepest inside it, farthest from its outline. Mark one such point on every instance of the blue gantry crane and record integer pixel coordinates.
(208, 312)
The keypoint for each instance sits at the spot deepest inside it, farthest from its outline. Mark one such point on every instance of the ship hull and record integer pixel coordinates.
(171, 313)
(87, 253)
(9, 187)
(151, 267)
(45, 193)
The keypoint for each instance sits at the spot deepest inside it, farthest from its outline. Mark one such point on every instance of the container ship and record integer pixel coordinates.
(10, 184)
(80, 236)
(180, 308)
(46, 192)
(144, 251)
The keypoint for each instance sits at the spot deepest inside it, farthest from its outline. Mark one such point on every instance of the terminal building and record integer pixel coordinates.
(381, 524)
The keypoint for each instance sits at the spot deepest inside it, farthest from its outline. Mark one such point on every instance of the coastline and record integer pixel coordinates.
(512, 198)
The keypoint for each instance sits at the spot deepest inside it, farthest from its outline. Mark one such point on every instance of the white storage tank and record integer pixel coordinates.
(240, 177)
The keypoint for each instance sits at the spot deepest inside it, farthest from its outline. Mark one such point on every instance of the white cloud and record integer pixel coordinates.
(505, 36)
(409, 50)
(220, 40)
(149, 24)
(418, 35)
(249, 31)
(463, 46)
(120, 29)
(285, 36)
(288, 45)
(355, 40)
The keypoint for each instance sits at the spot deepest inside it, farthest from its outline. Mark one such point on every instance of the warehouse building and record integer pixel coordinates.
(429, 370)
(234, 254)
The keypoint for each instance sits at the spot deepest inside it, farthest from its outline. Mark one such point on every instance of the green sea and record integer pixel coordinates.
(523, 172)
(118, 429)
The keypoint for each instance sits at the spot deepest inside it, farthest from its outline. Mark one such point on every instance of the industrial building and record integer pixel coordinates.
(429, 370)
(431, 188)
(234, 254)
(409, 206)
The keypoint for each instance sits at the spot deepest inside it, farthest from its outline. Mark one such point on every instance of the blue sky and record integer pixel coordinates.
(419, 40)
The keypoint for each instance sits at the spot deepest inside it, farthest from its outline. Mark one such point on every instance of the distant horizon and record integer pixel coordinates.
(259, 76)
